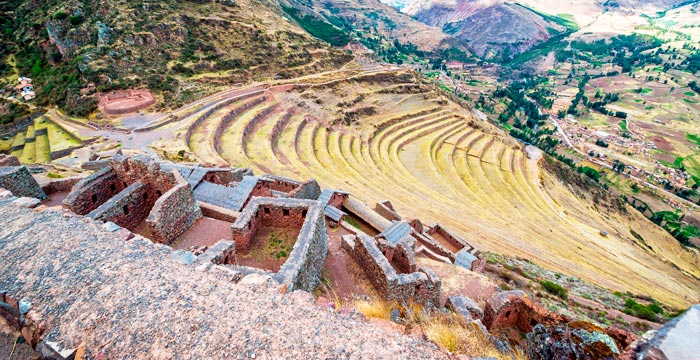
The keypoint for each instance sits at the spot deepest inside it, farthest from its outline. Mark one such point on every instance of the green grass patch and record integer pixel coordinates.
(623, 125)
(43, 149)
(646, 91)
(647, 312)
(29, 153)
(690, 101)
(692, 166)
(554, 289)
(318, 28)
(689, 93)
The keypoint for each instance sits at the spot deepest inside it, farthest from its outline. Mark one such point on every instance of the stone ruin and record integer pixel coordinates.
(302, 269)
(131, 191)
(287, 188)
(125, 101)
(19, 181)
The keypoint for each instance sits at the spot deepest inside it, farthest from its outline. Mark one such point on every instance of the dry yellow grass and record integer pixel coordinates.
(374, 309)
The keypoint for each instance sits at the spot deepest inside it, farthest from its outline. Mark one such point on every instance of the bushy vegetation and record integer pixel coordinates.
(647, 312)
(318, 28)
(554, 289)
(590, 172)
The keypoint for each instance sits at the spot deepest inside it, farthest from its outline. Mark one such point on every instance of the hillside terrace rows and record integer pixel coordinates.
(43, 140)
(430, 155)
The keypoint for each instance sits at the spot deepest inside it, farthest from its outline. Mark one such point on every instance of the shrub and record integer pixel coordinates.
(555, 289)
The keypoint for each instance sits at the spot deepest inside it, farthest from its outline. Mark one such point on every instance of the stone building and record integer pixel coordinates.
(302, 269)
(131, 191)
(20, 182)
(390, 278)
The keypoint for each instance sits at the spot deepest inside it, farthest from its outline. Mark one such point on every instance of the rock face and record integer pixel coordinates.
(86, 288)
(20, 182)
(677, 339)
(576, 340)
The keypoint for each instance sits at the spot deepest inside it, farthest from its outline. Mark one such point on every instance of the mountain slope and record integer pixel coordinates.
(179, 49)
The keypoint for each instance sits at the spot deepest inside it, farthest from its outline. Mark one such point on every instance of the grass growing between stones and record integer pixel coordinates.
(454, 335)
(374, 309)
(449, 331)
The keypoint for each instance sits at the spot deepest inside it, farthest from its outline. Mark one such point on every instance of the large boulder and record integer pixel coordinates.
(677, 339)
(575, 340)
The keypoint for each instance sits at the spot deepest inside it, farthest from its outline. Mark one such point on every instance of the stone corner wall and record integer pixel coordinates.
(127, 209)
(302, 270)
(387, 212)
(61, 185)
(309, 190)
(173, 213)
(421, 286)
(20, 182)
(90, 192)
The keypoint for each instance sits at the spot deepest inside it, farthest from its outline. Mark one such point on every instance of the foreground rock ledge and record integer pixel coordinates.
(82, 287)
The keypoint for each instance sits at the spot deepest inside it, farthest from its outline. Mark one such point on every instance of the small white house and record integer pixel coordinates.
(25, 88)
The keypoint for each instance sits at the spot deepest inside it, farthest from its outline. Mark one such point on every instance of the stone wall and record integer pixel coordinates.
(302, 270)
(387, 212)
(160, 196)
(422, 286)
(61, 185)
(218, 213)
(20, 182)
(173, 213)
(515, 309)
(454, 240)
(309, 190)
(91, 192)
(9, 160)
(128, 208)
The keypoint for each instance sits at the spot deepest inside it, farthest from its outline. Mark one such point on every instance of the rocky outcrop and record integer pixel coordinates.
(575, 340)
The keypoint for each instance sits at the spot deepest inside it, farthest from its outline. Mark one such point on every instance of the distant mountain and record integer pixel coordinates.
(496, 29)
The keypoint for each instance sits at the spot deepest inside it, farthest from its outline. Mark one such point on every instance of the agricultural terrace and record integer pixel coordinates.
(389, 135)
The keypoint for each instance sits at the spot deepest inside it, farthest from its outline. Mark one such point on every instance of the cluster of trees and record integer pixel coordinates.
(692, 62)
(672, 222)
(519, 93)
(694, 85)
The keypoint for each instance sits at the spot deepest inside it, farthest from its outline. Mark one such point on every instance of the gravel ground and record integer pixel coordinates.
(131, 300)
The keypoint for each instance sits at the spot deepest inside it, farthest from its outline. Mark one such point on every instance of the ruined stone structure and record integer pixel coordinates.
(70, 286)
(332, 201)
(133, 190)
(19, 181)
(125, 101)
(421, 286)
(515, 309)
(9, 160)
(288, 188)
(302, 270)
